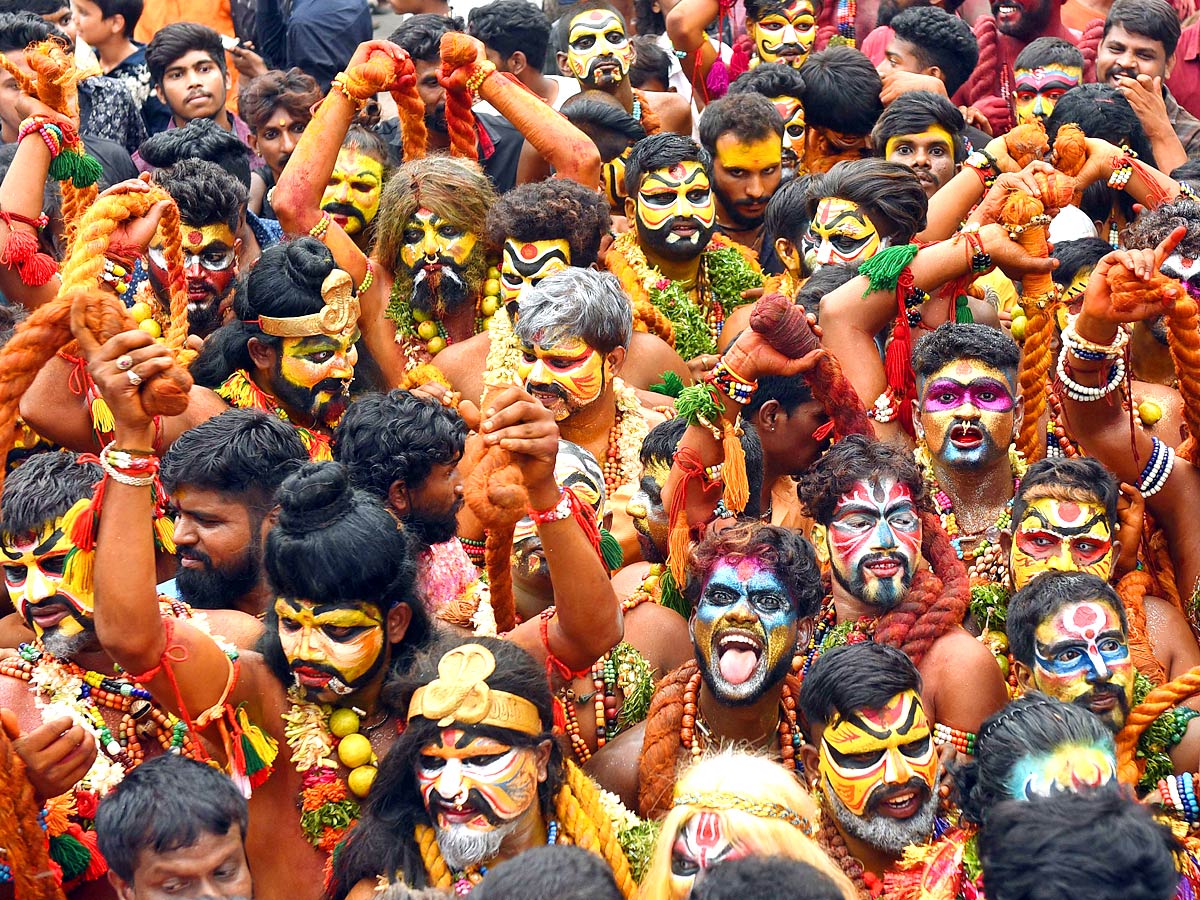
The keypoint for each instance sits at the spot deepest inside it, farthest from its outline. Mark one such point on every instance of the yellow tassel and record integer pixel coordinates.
(679, 544)
(79, 570)
(164, 533)
(737, 487)
(102, 417)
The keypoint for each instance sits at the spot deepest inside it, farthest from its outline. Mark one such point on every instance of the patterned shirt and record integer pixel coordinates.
(106, 110)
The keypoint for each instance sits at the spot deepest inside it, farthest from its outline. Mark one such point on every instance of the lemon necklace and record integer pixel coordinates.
(424, 333)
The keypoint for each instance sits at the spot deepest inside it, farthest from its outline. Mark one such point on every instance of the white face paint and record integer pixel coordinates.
(1179, 266)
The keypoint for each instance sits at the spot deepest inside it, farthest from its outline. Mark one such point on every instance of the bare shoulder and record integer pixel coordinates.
(963, 682)
(648, 357)
(615, 765)
(463, 365)
(240, 629)
(14, 631)
(674, 111)
(660, 635)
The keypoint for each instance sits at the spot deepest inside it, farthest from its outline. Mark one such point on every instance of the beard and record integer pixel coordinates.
(436, 120)
(660, 244)
(464, 847)
(444, 290)
(214, 588)
(204, 318)
(733, 209)
(1030, 20)
(67, 646)
(763, 679)
(885, 833)
(1114, 718)
(304, 400)
(884, 594)
(433, 528)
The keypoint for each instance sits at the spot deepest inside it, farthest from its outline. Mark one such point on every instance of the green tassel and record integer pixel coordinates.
(885, 267)
(670, 384)
(610, 550)
(62, 166)
(87, 171)
(71, 854)
(962, 310)
(697, 402)
(669, 595)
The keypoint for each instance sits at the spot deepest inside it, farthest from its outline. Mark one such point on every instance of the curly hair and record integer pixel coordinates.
(293, 91)
(1152, 227)
(546, 210)
(890, 192)
(199, 139)
(205, 193)
(771, 82)
(852, 459)
(941, 39)
(964, 340)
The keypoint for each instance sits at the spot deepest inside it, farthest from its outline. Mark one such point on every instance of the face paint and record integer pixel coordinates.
(1068, 769)
(874, 541)
(930, 154)
(840, 233)
(431, 240)
(564, 378)
(968, 413)
(333, 649)
(1081, 656)
(314, 376)
(574, 468)
(701, 842)
(34, 570)
(1061, 536)
(1072, 295)
(528, 262)
(743, 630)
(612, 181)
(599, 52)
(646, 511)
(785, 34)
(676, 211)
(355, 185)
(881, 760)
(1037, 90)
(791, 110)
(209, 267)
(476, 783)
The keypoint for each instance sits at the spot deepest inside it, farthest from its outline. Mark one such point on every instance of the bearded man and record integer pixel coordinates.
(784, 87)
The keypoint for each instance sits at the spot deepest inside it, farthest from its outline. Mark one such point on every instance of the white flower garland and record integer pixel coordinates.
(634, 429)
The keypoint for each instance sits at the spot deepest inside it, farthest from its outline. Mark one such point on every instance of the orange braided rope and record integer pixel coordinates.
(21, 836)
(381, 72)
(1025, 143)
(459, 118)
(1157, 702)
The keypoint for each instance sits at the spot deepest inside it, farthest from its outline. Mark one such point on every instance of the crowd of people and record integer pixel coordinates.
(654, 449)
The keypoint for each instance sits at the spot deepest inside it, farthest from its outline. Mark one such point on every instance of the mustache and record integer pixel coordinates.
(198, 555)
(554, 389)
(882, 794)
(872, 558)
(475, 800)
(345, 209)
(332, 386)
(436, 120)
(1103, 690)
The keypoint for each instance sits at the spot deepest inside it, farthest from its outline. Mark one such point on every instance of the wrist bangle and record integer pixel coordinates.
(322, 226)
(479, 74)
(1085, 349)
(136, 468)
(738, 389)
(561, 510)
(985, 167)
(116, 274)
(1122, 171)
(1082, 393)
(339, 84)
(1158, 469)
(885, 408)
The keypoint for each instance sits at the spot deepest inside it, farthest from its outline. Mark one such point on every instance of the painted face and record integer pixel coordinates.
(929, 154)
(599, 52)
(785, 34)
(314, 376)
(881, 761)
(565, 377)
(441, 265)
(1037, 90)
(840, 233)
(675, 210)
(791, 110)
(574, 468)
(967, 414)
(874, 541)
(1080, 656)
(333, 649)
(1072, 295)
(612, 181)
(745, 175)
(430, 240)
(528, 262)
(744, 630)
(34, 569)
(210, 266)
(701, 842)
(646, 510)
(1061, 536)
(1070, 768)
(352, 195)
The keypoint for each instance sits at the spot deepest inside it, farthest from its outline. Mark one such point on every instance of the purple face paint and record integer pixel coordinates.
(985, 394)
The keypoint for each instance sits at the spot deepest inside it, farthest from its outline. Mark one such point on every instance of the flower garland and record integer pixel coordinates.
(422, 335)
(242, 393)
(635, 835)
(726, 270)
(625, 440)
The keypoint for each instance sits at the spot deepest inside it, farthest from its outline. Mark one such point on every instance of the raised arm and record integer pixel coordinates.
(686, 26)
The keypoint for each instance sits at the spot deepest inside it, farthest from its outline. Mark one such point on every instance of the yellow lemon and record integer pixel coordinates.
(1149, 412)
(354, 750)
(493, 272)
(1018, 327)
(359, 781)
(343, 722)
(151, 328)
(427, 330)
(489, 305)
(140, 311)
(491, 286)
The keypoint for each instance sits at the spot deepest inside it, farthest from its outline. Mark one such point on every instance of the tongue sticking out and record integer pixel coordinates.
(736, 665)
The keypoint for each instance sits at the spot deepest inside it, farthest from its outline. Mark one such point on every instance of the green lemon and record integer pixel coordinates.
(343, 722)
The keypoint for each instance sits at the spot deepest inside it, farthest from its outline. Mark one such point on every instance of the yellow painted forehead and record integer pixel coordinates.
(755, 155)
(195, 238)
(932, 132)
(1064, 513)
(791, 12)
(964, 371)
(899, 721)
(596, 20)
(689, 174)
(310, 615)
(787, 106)
(351, 162)
(569, 348)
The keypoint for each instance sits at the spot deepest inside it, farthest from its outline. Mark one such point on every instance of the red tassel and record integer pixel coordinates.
(83, 532)
(98, 866)
(739, 62)
(897, 360)
(20, 247)
(717, 84)
(38, 270)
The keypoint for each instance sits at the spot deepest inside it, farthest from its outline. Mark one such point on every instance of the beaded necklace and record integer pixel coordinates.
(622, 461)
(827, 633)
(468, 879)
(694, 732)
(242, 393)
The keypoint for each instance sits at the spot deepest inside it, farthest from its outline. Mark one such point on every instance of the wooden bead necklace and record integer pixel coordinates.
(693, 729)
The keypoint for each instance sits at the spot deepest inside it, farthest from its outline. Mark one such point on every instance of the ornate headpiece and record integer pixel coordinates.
(339, 316)
(722, 800)
(460, 694)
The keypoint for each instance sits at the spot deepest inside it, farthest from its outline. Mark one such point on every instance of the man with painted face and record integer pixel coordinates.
(784, 87)
(753, 590)
(925, 132)
(596, 51)
(870, 753)
(743, 135)
(1022, 21)
(352, 196)
(277, 107)
(1043, 72)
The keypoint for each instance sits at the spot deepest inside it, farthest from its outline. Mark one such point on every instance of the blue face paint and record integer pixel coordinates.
(1069, 768)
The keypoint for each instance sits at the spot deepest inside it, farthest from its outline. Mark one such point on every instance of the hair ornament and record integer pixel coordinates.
(722, 800)
(460, 694)
(338, 317)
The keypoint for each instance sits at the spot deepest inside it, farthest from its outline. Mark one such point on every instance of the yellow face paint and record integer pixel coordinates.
(840, 233)
(791, 111)
(355, 185)
(476, 783)
(431, 239)
(332, 648)
(35, 568)
(968, 411)
(785, 34)
(1061, 536)
(1069, 768)
(599, 52)
(757, 156)
(682, 191)
(878, 749)
(1036, 91)
(528, 262)
(565, 377)
(612, 181)
(1072, 296)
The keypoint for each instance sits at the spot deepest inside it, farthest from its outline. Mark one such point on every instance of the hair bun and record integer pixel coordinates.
(315, 497)
(307, 262)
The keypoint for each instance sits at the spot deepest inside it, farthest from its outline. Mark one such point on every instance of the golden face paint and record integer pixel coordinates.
(35, 570)
(599, 51)
(1036, 91)
(431, 239)
(679, 197)
(646, 511)
(355, 185)
(1081, 656)
(528, 262)
(968, 411)
(756, 156)
(565, 377)
(1061, 536)
(785, 34)
(331, 647)
(840, 233)
(612, 181)
(475, 782)
(574, 468)
(791, 110)
(870, 750)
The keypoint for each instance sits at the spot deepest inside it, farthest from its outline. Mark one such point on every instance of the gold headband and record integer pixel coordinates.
(721, 800)
(460, 694)
(339, 316)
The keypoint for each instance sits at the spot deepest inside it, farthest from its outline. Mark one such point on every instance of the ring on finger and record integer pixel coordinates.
(134, 378)
(124, 362)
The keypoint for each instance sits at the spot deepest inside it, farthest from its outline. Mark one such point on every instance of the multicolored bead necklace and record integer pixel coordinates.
(827, 633)
(694, 732)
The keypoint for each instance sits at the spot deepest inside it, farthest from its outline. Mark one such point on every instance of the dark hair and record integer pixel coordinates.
(130, 9)
(284, 283)
(787, 213)
(918, 111)
(659, 151)
(941, 39)
(841, 91)
(1043, 597)
(1189, 172)
(759, 9)
(560, 31)
(650, 61)
(965, 340)
(178, 39)
(241, 451)
(648, 20)
(201, 139)
(397, 436)
(557, 872)
(663, 439)
(856, 458)
(1102, 842)
(294, 90)
(383, 840)
(507, 26)
(789, 391)
(890, 191)
(1080, 475)
(748, 117)
(607, 124)
(1032, 724)
(1074, 256)
(765, 878)
(368, 142)
(770, 82)
(825, 280)
(1048, 51)
(167, 803)
(1101, 111)
(784, 550)
(421, 35)
(856, 676)
(1155, 19)
(551, 209)
(37, 7)
(205, 193)
(1153, 226)
(43, 488)
(20, 29)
